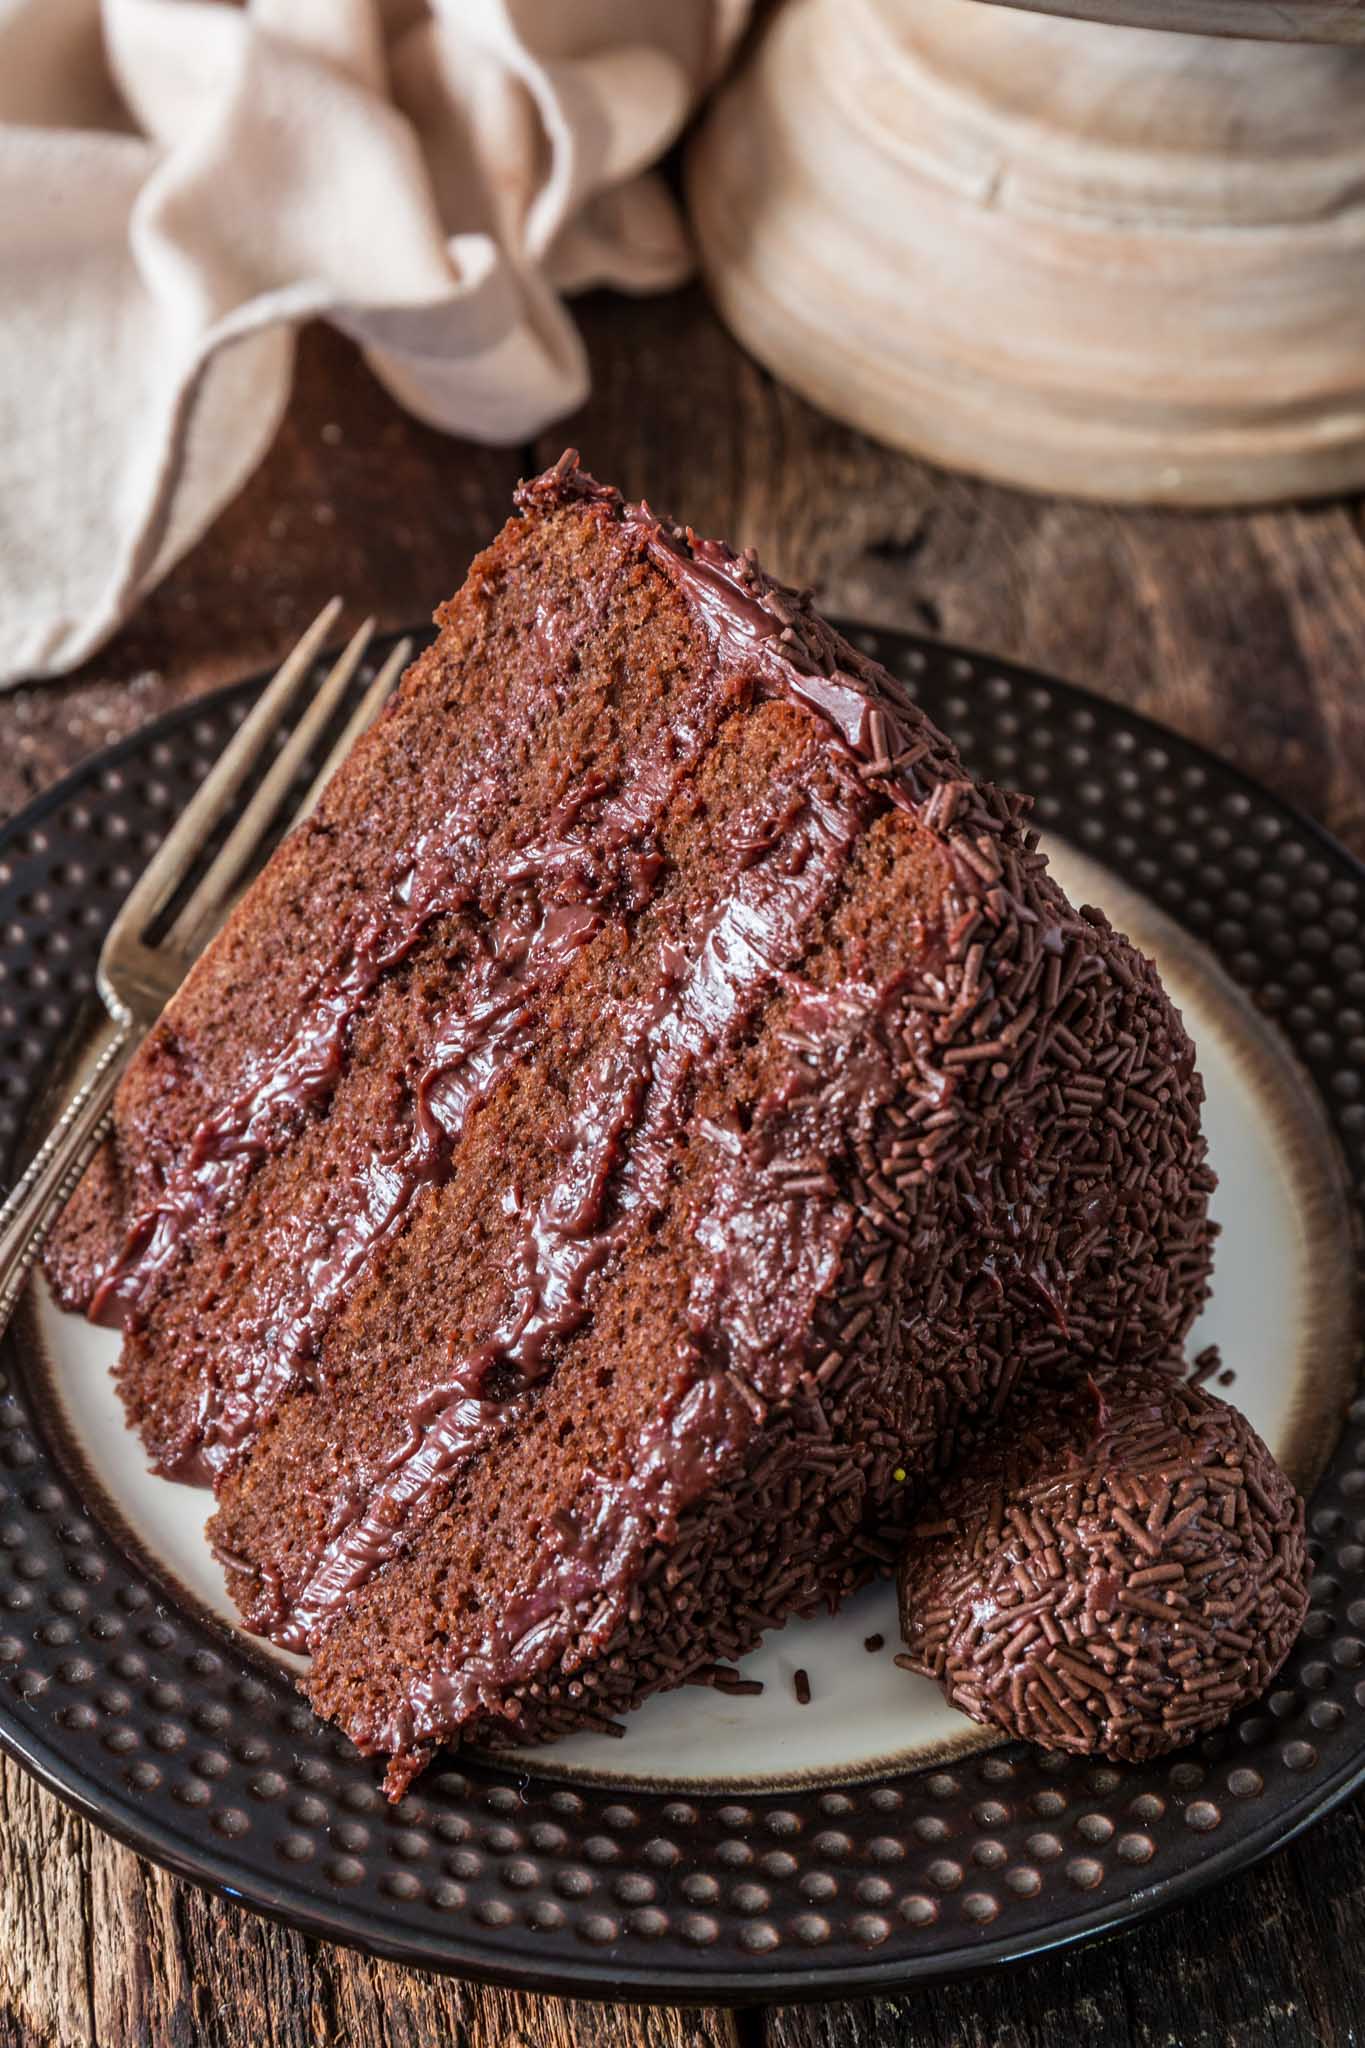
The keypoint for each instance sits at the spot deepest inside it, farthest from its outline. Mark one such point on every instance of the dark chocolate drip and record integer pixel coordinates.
(490, 1027)
(776, 1228)
(749, 617)
(299, 1076)
(772, 1246)
(1006, 951)
(437, 879)
(618, 1145)
(1005, 1005)
(725, 593)
(744, 614)
(575, 873)
(745, 619)
(323, 1265)
(770, 629)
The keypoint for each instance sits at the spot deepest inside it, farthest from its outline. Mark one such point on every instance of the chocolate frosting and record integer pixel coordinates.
(907, 1156)
(747, 619)
(617, 1144)
(1010, 951)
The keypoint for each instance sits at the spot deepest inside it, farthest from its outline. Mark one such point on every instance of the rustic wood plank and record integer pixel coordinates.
(1247, 632)
(45, 1912)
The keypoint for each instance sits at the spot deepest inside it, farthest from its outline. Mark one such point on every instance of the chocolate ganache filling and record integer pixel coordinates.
(616, 1154)
(314, 1278)
(577, 876)
(616, 1149)
(773, 1245)
(693, 1110)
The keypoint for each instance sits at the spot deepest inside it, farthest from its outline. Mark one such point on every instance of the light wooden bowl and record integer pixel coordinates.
(1066, 255)
(1277, 21)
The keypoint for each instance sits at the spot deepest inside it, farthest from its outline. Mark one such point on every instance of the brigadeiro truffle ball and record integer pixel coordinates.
(1116, 1567)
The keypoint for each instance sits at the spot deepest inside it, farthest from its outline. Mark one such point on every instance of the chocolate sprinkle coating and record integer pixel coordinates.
(1034, 1180)
(970, 1155)
(1113, 1572)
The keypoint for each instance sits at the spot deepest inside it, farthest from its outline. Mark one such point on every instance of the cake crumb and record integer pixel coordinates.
(873, 1642)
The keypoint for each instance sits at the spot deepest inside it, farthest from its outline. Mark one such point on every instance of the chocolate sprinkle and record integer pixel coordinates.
(801, 1686)
(1112, 1590)
(997, 1228)
(975, 1171)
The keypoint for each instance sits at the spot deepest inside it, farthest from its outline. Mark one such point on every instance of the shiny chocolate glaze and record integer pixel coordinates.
(800, 1257)
(616, 1154)
(557, 887)
(702, 1430)
(304, 1290)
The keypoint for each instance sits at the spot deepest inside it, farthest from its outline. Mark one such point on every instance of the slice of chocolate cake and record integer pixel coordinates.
(621, 1146)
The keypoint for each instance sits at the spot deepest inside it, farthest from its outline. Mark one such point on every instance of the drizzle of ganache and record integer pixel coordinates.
(754, 622)
(866, 722)
(772, 1245)
(678, 1452)
(435, 880)
(575, 874)
(302, 1293)
(438, 877)
(616, 1152)
(618, 1144)
(738, 627)
(301, 1075)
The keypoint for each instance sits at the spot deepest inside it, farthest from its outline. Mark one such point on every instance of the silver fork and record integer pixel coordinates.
(135, 978)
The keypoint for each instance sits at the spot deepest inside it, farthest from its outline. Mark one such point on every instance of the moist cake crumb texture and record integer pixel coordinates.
(623, 1148)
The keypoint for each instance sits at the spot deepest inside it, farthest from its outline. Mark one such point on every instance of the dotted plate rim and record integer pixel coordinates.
(158, 1726)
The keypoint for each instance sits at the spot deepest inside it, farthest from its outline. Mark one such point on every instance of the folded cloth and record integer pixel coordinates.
(183, 181)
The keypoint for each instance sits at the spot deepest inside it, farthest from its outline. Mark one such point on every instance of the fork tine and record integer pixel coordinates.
(168, 867)
(361, 719)
(215, 889)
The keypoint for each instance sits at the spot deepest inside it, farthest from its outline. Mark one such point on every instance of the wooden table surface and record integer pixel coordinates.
(1247, 632)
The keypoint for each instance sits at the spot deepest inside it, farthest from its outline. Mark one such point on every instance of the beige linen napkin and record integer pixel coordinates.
(183, 181)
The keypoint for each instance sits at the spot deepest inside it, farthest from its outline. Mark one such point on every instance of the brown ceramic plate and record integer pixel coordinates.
(728, 1848)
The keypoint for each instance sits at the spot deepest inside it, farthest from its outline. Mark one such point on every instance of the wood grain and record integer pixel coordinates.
(1248, 632)
(99, 1949)
(1281, 21)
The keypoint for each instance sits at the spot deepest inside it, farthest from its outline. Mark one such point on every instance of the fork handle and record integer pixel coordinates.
(51, 1176)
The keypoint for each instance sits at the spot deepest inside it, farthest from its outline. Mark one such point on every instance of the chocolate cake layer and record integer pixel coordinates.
(622, 1146)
